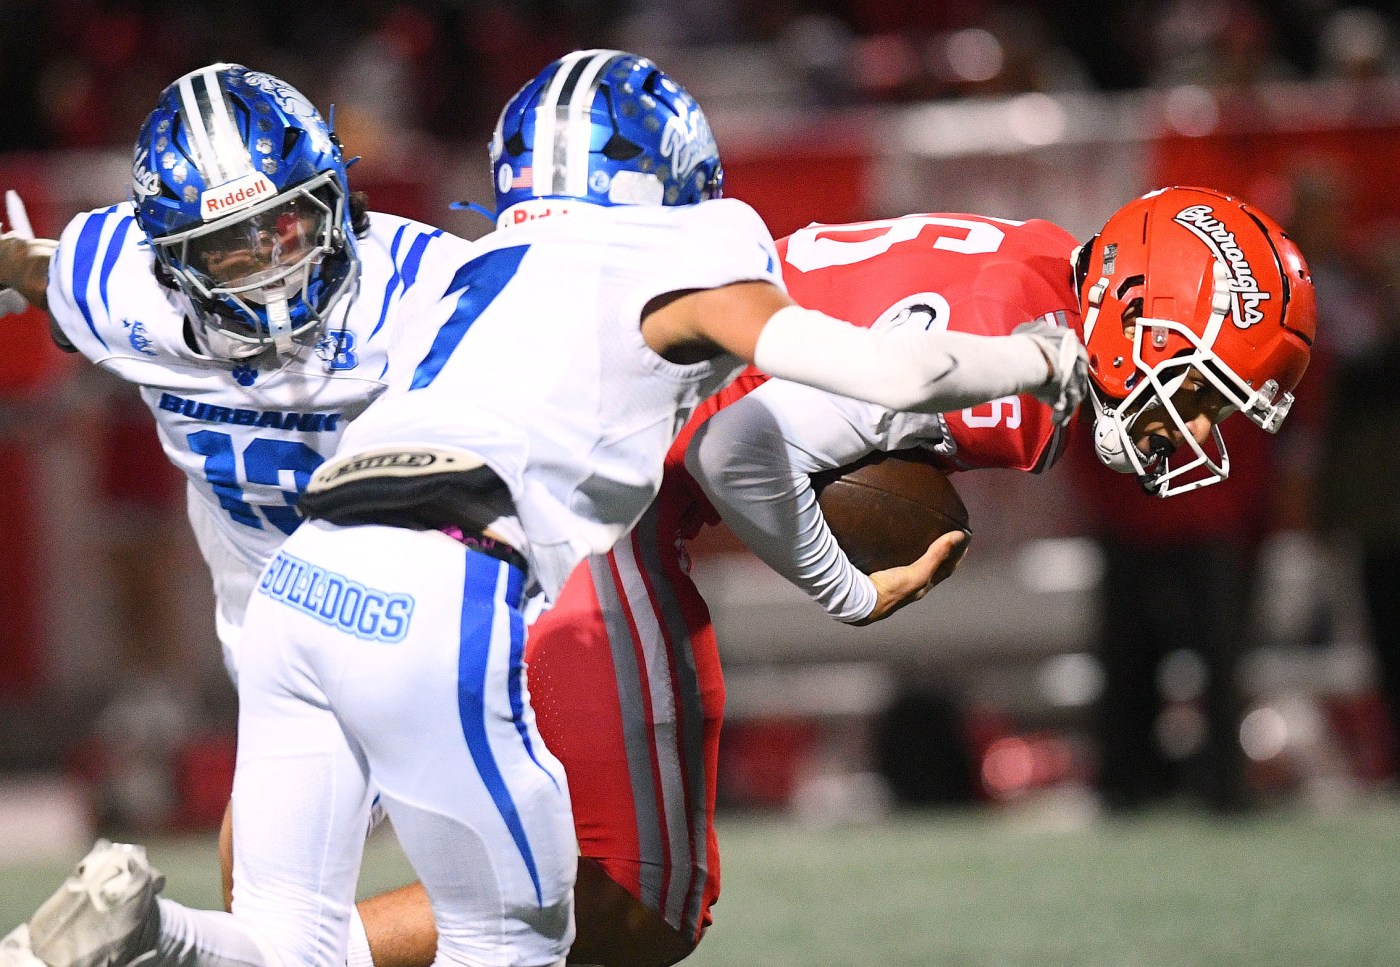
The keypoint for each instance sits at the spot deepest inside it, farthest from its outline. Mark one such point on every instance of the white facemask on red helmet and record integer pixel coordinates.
(1216, 287)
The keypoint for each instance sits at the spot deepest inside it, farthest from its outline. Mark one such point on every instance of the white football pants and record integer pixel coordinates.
(390, 660)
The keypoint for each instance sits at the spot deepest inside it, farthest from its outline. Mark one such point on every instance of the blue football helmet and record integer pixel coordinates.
(604, 127)
(240, 187)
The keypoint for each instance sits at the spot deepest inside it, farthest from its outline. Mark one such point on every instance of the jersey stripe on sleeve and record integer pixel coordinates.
(84, 259)
(405, 271)
(392, 285)
(414, 259)
(114, 250)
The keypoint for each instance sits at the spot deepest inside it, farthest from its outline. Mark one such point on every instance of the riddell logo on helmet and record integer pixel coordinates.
(235, 195)
(1245, 295)
(532, 210)
(525, 215)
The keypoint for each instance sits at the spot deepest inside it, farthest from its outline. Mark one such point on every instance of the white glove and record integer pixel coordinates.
(11, 301)
(1069, 365)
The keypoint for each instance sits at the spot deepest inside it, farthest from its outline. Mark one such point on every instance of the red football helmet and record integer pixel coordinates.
(1187, 279)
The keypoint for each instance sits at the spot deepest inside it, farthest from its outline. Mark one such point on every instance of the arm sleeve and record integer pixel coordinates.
(754, 459)
(903, 368)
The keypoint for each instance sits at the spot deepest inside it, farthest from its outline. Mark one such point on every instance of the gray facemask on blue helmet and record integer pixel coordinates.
(240, 187)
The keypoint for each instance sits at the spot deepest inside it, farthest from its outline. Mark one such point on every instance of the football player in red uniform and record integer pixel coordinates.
(1192, 305)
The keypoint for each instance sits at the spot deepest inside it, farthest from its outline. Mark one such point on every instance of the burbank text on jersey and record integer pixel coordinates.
(276, 419)
(337, 600)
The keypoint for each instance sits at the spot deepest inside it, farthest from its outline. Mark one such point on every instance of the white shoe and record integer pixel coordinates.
(14, 949)
(104, 915)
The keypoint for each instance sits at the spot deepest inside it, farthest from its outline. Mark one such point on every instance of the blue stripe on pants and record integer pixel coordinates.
(479, 595)
(517, 670)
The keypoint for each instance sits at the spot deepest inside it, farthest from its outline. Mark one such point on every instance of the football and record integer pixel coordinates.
(886, 509)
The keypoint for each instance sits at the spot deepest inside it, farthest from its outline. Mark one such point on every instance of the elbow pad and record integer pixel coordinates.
(905, 368)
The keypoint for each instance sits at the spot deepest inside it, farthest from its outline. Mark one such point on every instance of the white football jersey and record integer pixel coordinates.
(541, 369)
(248, 439)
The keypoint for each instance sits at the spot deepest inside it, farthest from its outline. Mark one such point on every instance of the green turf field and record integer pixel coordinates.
(1169, 889)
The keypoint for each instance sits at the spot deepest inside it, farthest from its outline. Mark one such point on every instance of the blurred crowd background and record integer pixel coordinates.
(1228, 650)
(82, 73)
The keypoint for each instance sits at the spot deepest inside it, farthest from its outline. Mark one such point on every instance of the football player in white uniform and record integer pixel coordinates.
(248, 294)
(523, 433)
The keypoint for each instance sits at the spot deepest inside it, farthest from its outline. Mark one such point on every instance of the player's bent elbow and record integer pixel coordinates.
(728, 448)
(710, 450)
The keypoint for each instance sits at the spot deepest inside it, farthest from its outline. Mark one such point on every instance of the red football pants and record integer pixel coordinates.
(628, 693)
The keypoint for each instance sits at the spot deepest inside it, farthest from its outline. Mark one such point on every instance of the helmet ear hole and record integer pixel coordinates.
(290, 138)
(1127, 285)
(652, 82)
(619, 148)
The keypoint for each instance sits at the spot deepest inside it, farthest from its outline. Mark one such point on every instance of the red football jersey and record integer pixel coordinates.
(967, 273)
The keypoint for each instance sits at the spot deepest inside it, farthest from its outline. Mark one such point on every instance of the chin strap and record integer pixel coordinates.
(1113, 442)
(1114, 446)
(279, 325)
(1109, 443)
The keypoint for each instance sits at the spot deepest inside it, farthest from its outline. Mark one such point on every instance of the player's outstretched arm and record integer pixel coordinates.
(907, 368)
(24, 261)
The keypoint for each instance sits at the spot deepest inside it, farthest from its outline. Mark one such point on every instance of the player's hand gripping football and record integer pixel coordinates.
(18, 250)
(899, 586)
(1069, 366)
